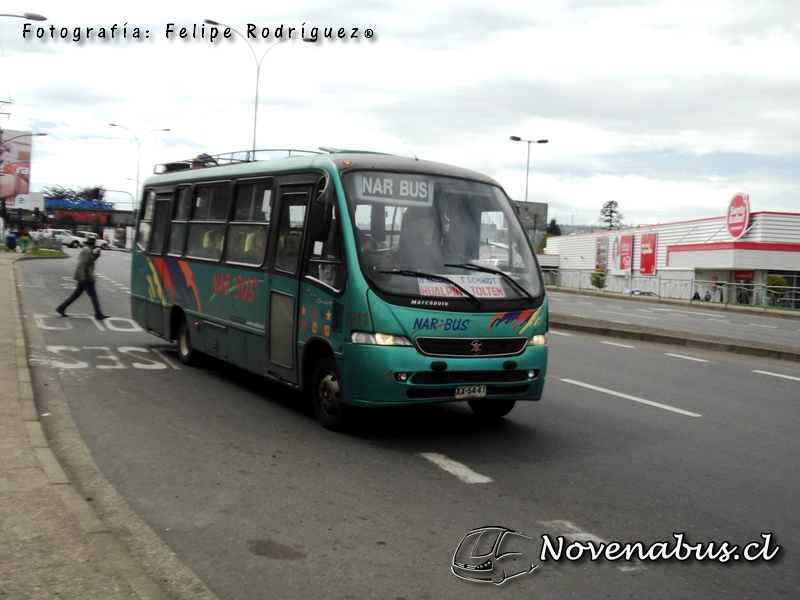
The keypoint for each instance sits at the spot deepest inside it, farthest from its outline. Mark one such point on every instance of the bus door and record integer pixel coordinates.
(284, 280)
(157, 297)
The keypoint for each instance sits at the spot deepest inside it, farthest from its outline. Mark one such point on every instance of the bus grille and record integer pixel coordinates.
(467, 377)
(471, 347)
(337, 318)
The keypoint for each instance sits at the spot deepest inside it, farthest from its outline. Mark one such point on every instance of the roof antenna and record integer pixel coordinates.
(409, 148)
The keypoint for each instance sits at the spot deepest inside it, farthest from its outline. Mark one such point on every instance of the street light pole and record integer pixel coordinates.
(515, 138)
(139, 148)
(28, 16)
(2, 141)
(258, 72)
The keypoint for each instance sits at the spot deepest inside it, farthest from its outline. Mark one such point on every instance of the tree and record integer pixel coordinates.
(59, 192)
(598, 280)
(777, 286)
(610, 215)
(553, 228)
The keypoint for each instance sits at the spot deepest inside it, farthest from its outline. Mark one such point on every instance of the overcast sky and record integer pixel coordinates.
(669, 108)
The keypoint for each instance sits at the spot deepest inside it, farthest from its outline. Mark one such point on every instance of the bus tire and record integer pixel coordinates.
(184, 342)
(491, 408)
(326, 395)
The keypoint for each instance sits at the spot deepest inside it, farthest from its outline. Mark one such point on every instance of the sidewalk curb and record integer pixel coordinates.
(662, 336)
(99, 536)
(109, 538)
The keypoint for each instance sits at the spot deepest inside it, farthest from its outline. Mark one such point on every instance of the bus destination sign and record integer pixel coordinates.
(395, 188)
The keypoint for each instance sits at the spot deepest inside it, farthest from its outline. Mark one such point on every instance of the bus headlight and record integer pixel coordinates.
(539, 339)
(379, 339)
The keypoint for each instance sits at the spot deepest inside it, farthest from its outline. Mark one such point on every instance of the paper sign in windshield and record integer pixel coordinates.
(480, 286)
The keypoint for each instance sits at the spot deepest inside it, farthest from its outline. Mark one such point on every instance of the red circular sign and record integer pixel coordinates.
(738, 216)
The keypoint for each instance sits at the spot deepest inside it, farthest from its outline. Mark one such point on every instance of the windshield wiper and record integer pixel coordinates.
(506, 276)
(409, 273)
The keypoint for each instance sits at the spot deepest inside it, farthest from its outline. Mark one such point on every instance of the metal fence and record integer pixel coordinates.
(692, 290)
(44, 244)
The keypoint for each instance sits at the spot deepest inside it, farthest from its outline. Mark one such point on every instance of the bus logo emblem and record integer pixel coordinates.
(475, 347)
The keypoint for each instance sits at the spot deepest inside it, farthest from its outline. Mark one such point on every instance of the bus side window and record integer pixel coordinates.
(207, 227)
(143, 233)
(325, 262)
(247, 240)
(177, 235)
(292, 221)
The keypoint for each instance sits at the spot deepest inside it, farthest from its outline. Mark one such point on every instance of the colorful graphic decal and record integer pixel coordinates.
(315, 326)
(174, 278)
(520, 319)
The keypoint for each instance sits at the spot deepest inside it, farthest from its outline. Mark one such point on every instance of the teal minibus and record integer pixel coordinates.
(363, 279)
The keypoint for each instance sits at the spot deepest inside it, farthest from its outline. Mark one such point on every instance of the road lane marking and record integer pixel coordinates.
(685, 357)
(620, 322)
(463, 472)
(586, 303)
(619, 345)
(627, 315)
(764, 326)
(778, 375)
(685, 312)
(571, 532)
(717, 321)
(634, 398)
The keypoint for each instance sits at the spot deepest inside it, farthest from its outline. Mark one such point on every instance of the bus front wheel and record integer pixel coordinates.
(491, 408)
(326, 395)
(185, 353)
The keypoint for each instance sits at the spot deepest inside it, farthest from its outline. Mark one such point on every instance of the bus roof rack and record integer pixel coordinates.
(226, 158)
(330, 150)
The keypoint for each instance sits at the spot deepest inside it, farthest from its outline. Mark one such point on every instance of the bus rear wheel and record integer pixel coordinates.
(491, 408)
(326, 395)
(185, 353)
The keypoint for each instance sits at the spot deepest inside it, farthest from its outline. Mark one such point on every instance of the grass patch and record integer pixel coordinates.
(37, 252)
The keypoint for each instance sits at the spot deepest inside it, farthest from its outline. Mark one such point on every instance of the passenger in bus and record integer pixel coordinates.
(254, 253)
(288, 250)
(212, 244)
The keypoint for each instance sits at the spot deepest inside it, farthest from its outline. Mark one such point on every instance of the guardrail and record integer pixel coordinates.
(691, 290)
(45, 244)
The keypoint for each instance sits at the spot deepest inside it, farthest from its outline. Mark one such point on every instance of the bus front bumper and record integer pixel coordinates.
(394, 376)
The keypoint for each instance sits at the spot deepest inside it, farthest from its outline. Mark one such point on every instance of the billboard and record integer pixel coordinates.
(738, 215)
(647, 254)
(15, 167)
(601, 254)
(619, 262)
(533, 215)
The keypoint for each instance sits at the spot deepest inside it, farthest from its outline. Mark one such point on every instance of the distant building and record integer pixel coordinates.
(726, 253)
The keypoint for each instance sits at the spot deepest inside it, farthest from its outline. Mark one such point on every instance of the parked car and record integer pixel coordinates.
(84, 235)
(71, 240)
(64, 236)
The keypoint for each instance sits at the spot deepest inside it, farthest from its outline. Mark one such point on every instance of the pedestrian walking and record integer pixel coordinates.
(84, 275)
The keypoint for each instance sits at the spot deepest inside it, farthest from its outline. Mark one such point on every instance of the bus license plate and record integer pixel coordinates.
(465, 392)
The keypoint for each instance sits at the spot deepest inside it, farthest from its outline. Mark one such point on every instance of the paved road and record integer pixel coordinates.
(698, 318)
(632, 442)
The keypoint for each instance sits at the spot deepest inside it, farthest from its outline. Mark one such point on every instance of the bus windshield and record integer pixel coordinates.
(428, 235)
